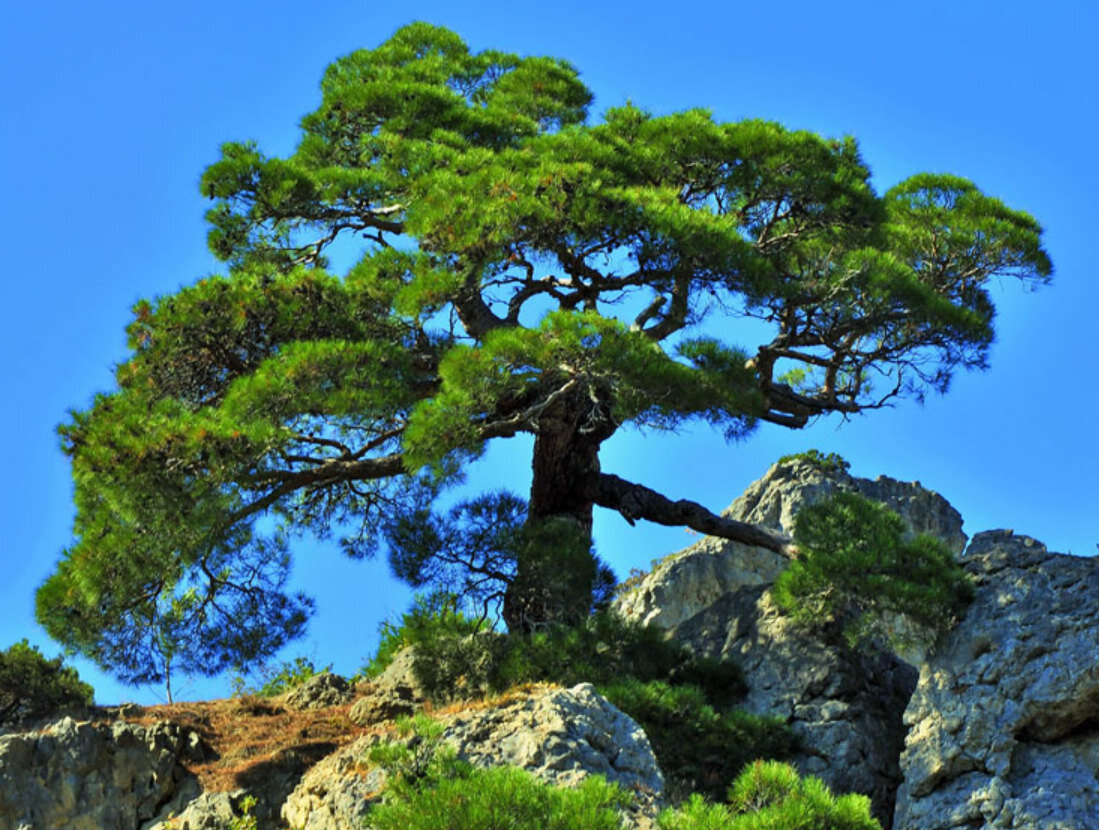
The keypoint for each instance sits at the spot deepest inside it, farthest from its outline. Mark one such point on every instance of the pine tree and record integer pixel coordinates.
(521, 268)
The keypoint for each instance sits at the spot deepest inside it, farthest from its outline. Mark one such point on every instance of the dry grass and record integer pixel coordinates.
(248, 739)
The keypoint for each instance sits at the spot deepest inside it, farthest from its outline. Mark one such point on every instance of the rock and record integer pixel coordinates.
(320, 691)
(338, 792)
(1004, 724)
(559, 735)
(846, 705)
(685, 583)
(395, 692)
(87, 777)
(205, 811)
(381, 705)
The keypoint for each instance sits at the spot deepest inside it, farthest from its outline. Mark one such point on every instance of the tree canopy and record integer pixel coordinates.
(518, 267)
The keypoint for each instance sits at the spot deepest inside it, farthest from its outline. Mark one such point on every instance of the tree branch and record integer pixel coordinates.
(635, 501)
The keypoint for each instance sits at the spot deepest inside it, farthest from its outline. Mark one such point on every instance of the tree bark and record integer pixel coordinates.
(635, 501)
(565, 467)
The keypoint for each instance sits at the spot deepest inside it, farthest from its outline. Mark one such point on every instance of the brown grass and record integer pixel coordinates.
(246, 739)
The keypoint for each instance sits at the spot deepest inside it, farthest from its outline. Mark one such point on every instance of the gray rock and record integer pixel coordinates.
(82, 776)
(846, 705)
(201, 811)
(1004, 724)
(378, 705)
(320, 691)
(686, 582)
(393, 693)
(559, 735)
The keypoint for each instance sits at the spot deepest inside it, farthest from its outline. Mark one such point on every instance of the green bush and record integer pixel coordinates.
(700, 749)
(32, 685)
(771, 796)
(431, 790)
(825, 462)
(431, 617)
(856, 567)
(279, 679)
(606, 649)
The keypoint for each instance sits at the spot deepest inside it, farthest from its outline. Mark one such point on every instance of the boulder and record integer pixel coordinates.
(1004, 724)
(338, 792)
(845, 705)
(559, 735)
(319, 692)
(393, 693)
(205, 811)
(82, 776)
(686, 582)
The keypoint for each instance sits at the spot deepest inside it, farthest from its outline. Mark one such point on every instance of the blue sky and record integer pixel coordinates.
(111, 110)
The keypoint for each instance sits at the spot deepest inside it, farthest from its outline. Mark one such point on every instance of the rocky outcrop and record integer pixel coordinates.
(559, 735)
(87, 777)
(319, 692)
(395, 692)
(1004, 724)
(687, 582)
(205, 811)
(338, 792)
(845, 705)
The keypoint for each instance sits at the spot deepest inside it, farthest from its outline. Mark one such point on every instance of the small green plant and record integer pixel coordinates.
(700, 749)
(430, 789)
(32, 685)
(279, 679)
(855, 567)
(246, 820)
(770, 795)
(825, 462)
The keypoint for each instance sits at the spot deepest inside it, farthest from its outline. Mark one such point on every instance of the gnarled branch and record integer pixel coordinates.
(635, 501)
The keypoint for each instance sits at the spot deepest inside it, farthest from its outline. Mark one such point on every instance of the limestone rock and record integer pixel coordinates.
(559, 735)
(320, 691)
(685, 583)
(338, 792)
(846, 705)
(378, 705)
(393, 693)
(1004, 724)
(205, 811)
(86, 777)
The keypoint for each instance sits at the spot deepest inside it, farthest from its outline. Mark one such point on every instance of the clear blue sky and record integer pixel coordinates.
(112, 109)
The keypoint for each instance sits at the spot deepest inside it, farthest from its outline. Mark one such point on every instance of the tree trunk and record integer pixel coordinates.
(556, 570)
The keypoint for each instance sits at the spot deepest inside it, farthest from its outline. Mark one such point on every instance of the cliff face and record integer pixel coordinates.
(687, 582)
(1004, 725)
(998, 727)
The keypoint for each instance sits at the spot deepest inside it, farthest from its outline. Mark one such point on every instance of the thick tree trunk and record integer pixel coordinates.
(556, 570)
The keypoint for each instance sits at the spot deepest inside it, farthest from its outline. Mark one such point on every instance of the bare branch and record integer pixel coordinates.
(635, 501)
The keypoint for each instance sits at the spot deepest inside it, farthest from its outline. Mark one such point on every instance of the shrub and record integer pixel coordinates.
(288, 675)
(771, 796)
(501, 798)
(856, 567)
(431, 790)
(700, 749)
(604, 649)
(32, 685)
(825, 462)
(431, 617)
